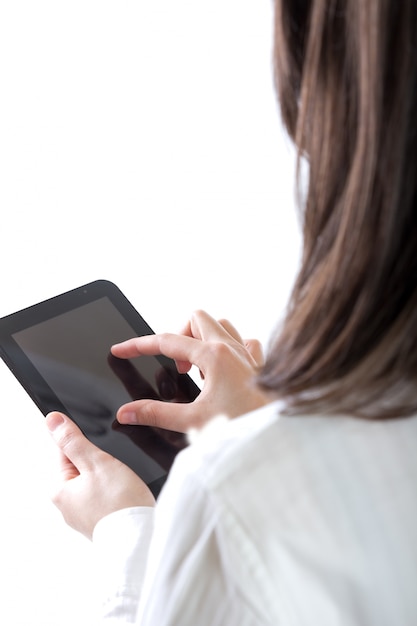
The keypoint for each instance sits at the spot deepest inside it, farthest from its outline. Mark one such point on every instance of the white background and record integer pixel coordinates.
(139, 142)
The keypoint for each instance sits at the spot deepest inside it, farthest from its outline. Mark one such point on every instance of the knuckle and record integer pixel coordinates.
(65, 438)
(254, 345)
(164, 342)
(198, 317)
(255, 349)
(164, 336)
(220, 351)
(69, 441)
(57, 496)
(148, 410)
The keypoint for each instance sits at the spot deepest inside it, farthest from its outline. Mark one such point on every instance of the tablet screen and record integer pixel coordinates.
(71, 353)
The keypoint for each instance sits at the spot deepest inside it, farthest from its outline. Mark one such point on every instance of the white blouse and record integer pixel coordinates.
(269, 520)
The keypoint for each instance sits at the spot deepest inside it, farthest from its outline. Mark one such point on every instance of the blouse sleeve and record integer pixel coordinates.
(183, 576)
(121, 543)
(185, 580)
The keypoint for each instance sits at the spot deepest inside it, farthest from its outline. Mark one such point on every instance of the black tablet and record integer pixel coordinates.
(59, 350)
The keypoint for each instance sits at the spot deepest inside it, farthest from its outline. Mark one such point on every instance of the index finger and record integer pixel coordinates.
(177, 347)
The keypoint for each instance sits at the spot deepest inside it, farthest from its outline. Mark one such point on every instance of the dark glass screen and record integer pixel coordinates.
(71, 352)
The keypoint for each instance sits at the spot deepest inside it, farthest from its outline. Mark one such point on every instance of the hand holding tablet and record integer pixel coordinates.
(59, 350)
(88, 353)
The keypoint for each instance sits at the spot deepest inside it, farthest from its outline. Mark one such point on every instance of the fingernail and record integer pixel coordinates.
(53, 420)
(128, 417)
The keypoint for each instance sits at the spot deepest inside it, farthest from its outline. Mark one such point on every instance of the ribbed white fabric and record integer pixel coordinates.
(268, 520)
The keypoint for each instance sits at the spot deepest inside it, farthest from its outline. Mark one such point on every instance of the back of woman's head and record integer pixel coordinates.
(346, 75)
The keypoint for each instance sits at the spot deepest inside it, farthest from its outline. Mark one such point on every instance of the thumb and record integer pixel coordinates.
(72, 443)
(157, 414)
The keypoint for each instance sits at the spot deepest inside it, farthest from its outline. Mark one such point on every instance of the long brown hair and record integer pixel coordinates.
(346, 76)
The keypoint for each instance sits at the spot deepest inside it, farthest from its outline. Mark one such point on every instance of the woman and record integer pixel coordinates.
(304, 510)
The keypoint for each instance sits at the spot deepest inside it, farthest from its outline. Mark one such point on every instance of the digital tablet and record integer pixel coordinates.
(59, 350)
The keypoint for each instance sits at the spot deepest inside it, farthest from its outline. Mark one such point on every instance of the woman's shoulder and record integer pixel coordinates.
(302, 496)
(266, 445)
(222, 440)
